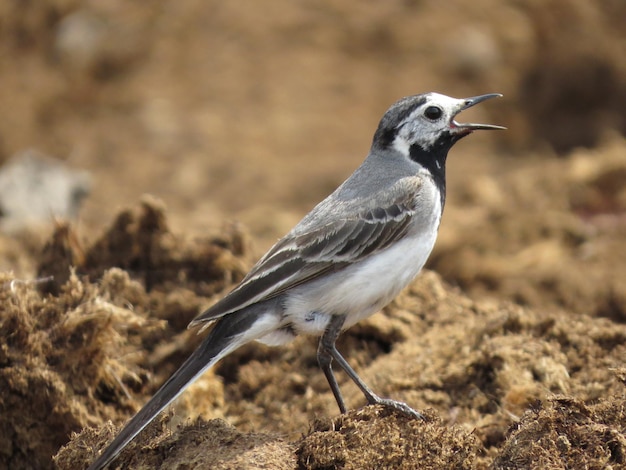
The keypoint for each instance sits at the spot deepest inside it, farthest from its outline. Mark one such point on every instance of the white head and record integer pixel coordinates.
(426, 121)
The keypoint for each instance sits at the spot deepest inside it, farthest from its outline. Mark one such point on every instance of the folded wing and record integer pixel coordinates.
(300, 258)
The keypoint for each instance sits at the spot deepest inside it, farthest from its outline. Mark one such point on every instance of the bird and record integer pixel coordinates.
(344, 261)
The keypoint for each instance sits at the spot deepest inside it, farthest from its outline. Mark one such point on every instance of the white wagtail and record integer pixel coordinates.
(348, 258)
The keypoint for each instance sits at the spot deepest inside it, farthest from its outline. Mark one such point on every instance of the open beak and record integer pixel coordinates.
(466, 128)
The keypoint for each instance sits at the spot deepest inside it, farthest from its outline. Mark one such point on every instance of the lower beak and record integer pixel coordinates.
(470, 126)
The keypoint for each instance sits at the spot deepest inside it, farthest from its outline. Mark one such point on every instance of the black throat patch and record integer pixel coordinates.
(434, 160)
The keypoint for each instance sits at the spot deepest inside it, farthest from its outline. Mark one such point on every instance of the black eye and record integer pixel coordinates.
(433, 113)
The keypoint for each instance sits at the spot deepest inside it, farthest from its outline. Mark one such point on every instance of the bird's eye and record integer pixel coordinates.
(433, 113)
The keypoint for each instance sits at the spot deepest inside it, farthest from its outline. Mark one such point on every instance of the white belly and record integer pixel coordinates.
(361, 289)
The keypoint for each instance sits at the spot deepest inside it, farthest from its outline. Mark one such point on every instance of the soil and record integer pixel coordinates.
(210, 128)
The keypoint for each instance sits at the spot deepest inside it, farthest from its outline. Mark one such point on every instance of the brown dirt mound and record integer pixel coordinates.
(80, 348)
(374, 437)
(566, 433)
(86, 345)
(485, 368)
(191, 446)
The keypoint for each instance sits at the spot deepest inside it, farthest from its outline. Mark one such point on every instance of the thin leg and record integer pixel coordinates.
(325, 358)
(327, 351)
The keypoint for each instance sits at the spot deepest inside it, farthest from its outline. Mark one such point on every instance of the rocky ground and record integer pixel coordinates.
(209, 128)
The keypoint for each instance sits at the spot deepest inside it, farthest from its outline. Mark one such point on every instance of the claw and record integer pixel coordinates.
(398, 406)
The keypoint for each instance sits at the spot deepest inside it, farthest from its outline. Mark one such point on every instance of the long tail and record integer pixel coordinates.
(227, 335)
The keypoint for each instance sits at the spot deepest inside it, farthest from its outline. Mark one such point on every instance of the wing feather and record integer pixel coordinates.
(302, 257)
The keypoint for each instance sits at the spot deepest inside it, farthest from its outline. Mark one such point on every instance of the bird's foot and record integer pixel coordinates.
(397, 406)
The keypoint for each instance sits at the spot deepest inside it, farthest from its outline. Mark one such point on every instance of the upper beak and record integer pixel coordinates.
(469, 127)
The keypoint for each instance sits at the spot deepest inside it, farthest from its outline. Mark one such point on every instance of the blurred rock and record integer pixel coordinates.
(81, 39)
(90, 44)
(35, 188)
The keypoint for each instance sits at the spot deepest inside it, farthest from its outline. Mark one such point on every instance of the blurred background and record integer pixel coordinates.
(254, 111)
